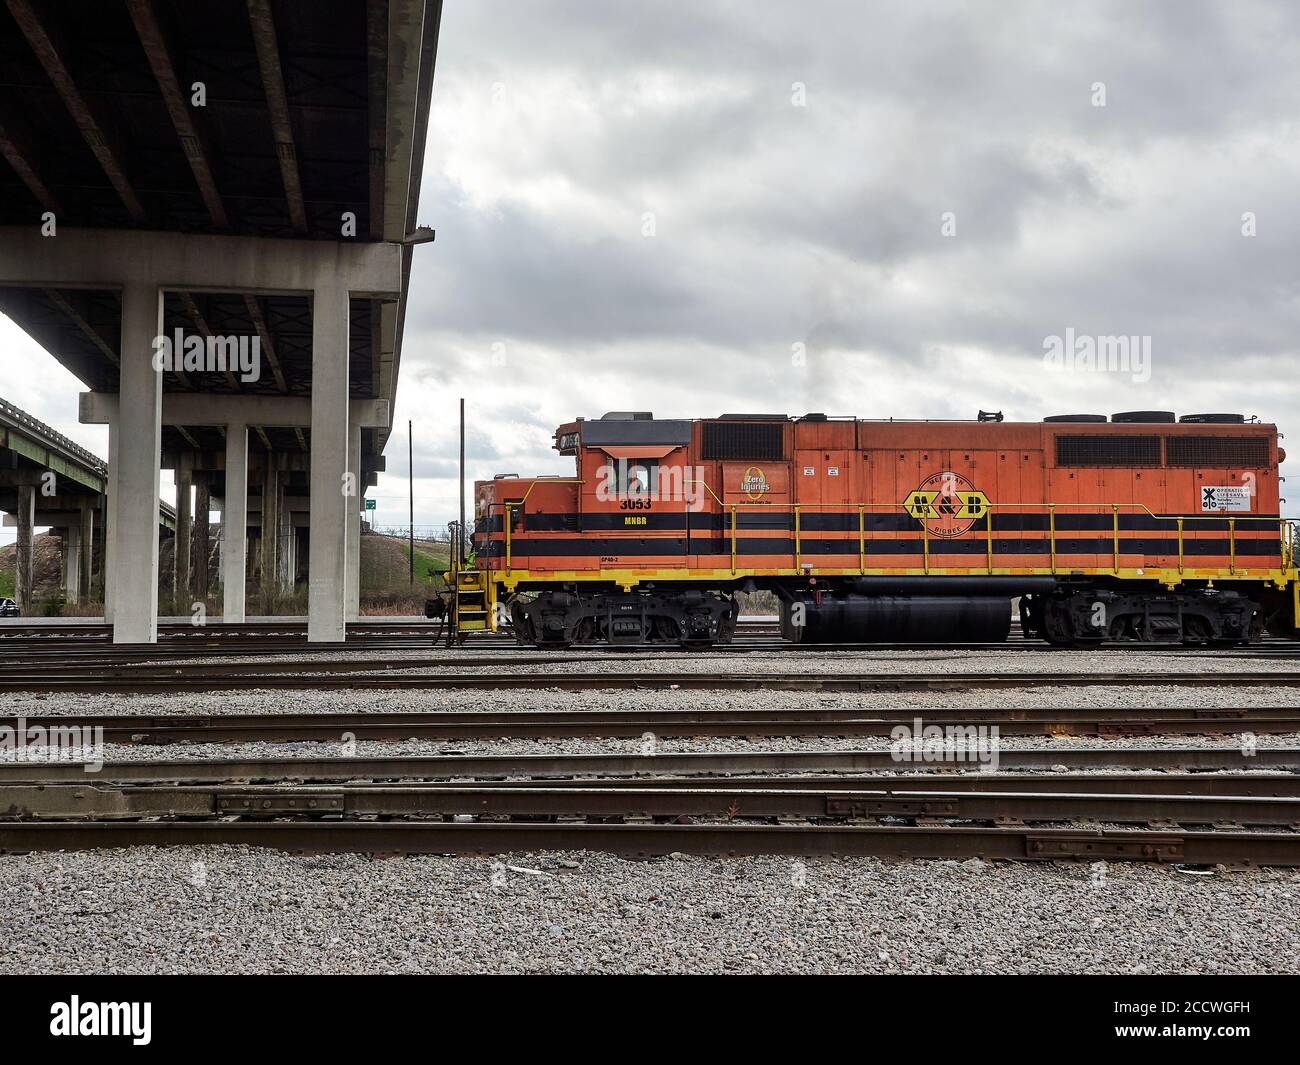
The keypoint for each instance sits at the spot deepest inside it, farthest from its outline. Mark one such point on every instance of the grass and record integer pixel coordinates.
(6, 583)
(428, 567)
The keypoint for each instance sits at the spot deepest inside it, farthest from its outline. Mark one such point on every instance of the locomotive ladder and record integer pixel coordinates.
(469, 604)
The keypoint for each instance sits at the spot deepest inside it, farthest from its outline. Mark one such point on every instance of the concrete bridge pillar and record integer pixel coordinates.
(72, 550)
(354, 521)
(289, 559)
(26, 533)
(135, 504)
(270, 528)
(184, 532)
(110, 522)
(202, 549)
(86, 536)
(332, 491)
(234, 525)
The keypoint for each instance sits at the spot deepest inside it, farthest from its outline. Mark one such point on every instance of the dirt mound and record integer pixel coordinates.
(47, 566)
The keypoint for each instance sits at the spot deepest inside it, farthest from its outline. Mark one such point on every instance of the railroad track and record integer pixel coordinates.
(807, 840)
(83, 642)
(95, 654)
(444, 725)
(694, 765)
(433, 674)
(921, 816)
(807, 803)
(71, 647)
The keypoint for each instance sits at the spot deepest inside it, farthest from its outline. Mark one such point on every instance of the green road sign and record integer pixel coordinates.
(370, 504)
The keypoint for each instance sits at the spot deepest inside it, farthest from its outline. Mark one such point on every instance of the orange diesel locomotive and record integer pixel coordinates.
(1143, 528)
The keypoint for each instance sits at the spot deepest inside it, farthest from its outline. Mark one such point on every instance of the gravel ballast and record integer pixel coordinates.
(247, 910)
(252, 701)
(241, 910)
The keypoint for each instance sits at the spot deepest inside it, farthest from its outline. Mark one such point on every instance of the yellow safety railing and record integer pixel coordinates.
(1290, 527)
(1290, 530)
(507, 506)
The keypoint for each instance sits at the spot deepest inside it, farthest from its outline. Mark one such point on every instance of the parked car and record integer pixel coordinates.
(9, 609)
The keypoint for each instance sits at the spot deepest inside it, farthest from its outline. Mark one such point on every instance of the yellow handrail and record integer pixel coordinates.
(508, 523)
(862, 538)
(1051, 534)
(1115, 511)
(733, 538)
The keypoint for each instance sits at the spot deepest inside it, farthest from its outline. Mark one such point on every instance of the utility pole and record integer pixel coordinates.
(410, 477)
(462, 479)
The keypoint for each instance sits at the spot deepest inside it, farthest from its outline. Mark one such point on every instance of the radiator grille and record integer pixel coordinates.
(743, 441)
(1217, 451)
(1098, 450)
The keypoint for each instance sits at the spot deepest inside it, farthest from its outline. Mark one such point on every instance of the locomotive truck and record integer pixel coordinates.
(1144, 528)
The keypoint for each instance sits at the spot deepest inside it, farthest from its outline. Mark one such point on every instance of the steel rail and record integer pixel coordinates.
(590, 766)
(204, 667)
(405, 675)
(832, 801)
(415, 837)
(42, 730)
(97, 654)
(1261, 784)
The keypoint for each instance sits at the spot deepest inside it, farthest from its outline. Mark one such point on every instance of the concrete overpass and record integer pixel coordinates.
(47, 480)
(208, 215)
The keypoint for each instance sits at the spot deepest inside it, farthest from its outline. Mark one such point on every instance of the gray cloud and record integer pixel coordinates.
(557, 125)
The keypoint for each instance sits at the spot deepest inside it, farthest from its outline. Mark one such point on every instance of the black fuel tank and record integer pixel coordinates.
(897, 619)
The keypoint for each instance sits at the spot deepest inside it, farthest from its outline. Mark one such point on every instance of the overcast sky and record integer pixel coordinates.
(883, 209)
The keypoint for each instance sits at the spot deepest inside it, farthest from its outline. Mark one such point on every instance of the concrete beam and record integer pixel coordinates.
(157, 48)
(84, 327)
(43, 519)
(262, 23)
(180, 408)
(98, 139)
(17, 148)
(254, 306)
(194, 262)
